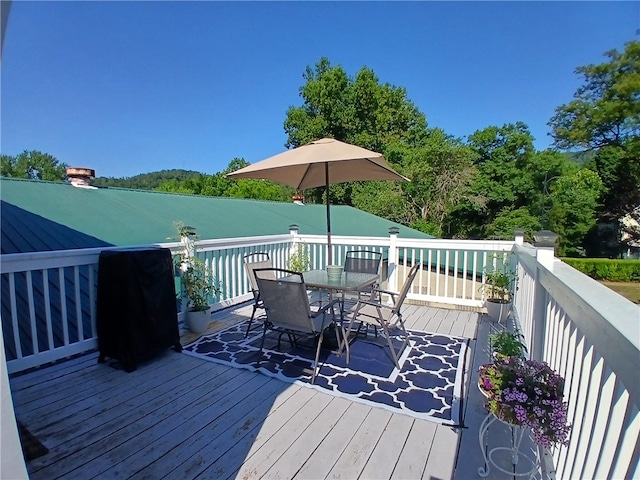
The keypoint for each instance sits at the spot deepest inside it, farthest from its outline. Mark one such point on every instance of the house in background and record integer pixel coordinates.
(42, 216)
(631, 233)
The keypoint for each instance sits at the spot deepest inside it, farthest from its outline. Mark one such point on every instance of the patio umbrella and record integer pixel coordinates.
(322, 162)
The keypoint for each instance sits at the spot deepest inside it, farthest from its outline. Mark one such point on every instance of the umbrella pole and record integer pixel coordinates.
(329, 252)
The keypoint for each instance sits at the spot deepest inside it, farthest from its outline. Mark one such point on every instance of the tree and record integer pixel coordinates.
(259, 190)
(249, 188)
(148, 181)
(218, 185)
(508, 220)
(502, 156)
(441, 173)
(359, 110)
(574, 214)
(384, 199)
(619, 169)
(511, 189)
(631, 229)
(605, 117)
(173, 186)
(34, 165)
(606, 109)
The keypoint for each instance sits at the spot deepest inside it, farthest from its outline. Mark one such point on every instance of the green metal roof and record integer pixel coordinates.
(124, 217)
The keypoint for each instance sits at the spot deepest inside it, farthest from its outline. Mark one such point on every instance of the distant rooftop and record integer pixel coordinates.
(38, 215)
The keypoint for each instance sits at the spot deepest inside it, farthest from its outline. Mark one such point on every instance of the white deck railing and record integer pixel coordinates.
(591, 336)
(451, 272)
(49, 298)
(582, 329)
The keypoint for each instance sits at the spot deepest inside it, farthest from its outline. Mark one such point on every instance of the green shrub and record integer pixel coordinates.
(607, 269)
(507, 344)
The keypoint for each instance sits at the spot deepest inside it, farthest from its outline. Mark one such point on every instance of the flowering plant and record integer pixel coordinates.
(527, 393)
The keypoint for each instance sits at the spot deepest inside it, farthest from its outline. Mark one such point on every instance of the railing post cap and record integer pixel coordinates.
(293, 227)
(545, 238)
(394, 230)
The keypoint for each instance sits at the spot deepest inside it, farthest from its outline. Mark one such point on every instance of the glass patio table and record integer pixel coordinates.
(348, 282)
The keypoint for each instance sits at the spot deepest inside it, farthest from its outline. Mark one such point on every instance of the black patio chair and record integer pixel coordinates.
(285, 300)
(388, 318)
(251, 262)
(361, 261)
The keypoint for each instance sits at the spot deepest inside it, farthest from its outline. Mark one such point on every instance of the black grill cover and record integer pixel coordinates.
(137, 314)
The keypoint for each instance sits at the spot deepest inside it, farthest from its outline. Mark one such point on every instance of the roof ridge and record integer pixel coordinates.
(140, 190)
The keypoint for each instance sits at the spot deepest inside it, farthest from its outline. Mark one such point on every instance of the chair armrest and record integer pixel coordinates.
(388, 292)
(372, 304)
(323, 309)
(393, 295)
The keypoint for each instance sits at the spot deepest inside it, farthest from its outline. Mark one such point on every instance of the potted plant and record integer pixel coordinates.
(498, 286)
(507, 344)
(299, 260)
(197, 282)
(527, 393)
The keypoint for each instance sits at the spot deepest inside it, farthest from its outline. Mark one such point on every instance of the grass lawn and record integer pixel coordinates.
(629, 290)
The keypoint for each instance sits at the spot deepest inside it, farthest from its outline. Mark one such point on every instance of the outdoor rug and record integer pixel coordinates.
(428, 384)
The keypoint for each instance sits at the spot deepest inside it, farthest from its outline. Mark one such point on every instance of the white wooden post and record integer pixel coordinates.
(293, 231)
(545, 255)
(519, 236)
(538, 318)
(545, 247)
(392, 264)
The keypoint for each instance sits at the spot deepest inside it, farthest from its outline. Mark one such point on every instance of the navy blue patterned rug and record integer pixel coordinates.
(428, 384)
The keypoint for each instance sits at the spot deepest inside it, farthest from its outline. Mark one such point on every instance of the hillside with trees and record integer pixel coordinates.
(148, 181)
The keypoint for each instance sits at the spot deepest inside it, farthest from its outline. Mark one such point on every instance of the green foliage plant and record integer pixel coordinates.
(198, 283)
(299, 260)
(499, 283)
(611, 270)
(507, 344)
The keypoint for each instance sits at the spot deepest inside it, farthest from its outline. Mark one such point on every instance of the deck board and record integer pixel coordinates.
(413, 458)
(389, 445)
(354, 457)
(179, 417)
(334, 443)
(288, 464)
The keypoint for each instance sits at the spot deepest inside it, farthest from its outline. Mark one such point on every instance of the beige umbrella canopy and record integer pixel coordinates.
(322, 162)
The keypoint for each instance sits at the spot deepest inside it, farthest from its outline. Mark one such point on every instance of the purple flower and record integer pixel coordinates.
(527, 393)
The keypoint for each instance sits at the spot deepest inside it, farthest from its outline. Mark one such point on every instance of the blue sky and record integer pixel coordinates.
(134, 87)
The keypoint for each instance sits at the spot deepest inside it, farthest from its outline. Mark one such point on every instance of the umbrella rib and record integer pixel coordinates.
(388, 169)
(303, 178)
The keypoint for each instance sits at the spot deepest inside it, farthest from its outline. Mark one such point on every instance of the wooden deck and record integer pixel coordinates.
(179, 417)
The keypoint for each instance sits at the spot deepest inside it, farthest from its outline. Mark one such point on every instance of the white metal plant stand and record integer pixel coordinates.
(517, 432)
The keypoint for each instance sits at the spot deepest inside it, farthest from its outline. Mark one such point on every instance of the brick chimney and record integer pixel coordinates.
(80, 176)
